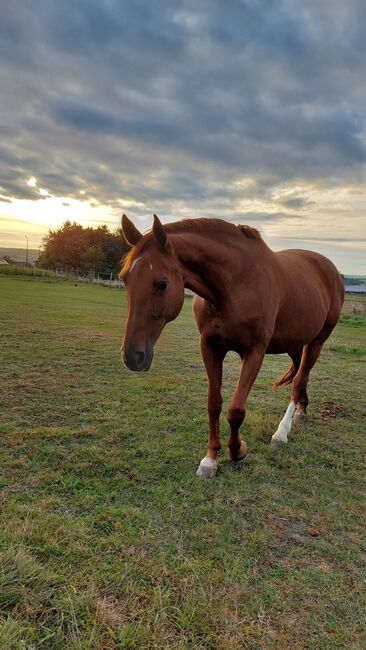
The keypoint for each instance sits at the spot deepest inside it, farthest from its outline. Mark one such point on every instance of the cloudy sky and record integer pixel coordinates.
(250, 110)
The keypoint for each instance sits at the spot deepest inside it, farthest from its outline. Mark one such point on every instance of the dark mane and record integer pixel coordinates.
(251, 233)
(200, 225)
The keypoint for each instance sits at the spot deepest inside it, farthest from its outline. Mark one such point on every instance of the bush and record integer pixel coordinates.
(24, 270)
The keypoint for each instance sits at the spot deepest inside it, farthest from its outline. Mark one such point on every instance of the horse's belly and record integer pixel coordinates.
(297, 329)
(285, 346)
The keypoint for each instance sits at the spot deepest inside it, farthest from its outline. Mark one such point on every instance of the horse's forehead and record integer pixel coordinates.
(149, 261)
(137, 260)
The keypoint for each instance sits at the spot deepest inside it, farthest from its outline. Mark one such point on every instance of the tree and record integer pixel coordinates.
(89, 250)
(92, 260)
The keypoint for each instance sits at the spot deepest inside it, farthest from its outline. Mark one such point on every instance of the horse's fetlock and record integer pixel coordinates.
(214, 447)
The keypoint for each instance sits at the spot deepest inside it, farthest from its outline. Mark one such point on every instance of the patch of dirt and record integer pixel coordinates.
(330, 410)
(108, 612)
(22, 387)
(295, 530)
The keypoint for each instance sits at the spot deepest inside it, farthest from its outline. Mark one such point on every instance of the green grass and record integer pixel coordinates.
(108, 539)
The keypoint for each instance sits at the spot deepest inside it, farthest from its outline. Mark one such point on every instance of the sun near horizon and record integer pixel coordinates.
(255, 114)
(30, 219)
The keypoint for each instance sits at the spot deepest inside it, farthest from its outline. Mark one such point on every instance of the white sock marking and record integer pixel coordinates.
(284, 426)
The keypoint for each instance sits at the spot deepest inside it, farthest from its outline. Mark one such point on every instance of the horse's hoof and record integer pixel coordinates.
(240, 453)
(299, 416)
(277, 442)
(207, 468)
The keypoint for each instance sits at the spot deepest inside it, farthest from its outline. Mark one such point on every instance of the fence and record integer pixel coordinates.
(104, 279)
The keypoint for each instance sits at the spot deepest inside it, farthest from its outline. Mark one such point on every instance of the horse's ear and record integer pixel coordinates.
(130, 232)
(159, 232)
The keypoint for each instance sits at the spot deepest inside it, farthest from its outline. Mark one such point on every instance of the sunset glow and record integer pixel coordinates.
(190, 117)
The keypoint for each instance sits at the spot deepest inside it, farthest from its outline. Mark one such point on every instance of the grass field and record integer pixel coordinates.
(108, 539)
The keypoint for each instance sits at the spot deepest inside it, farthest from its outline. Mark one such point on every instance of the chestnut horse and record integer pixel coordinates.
(248, 299)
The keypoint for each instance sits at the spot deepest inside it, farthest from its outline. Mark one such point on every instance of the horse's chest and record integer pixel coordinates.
(227, 334)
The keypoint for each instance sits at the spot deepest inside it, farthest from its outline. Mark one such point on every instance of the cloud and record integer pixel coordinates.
(153, 105)
(258, 217)
(296, 202)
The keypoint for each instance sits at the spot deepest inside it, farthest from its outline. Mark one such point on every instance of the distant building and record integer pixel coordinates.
(3, 262)
(17, 255)
(12, 262)
(355, 288)
(23, 265)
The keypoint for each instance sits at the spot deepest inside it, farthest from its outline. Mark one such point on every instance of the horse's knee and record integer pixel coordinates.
(235, 416)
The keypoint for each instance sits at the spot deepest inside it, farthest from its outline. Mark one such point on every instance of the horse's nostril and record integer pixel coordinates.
(137, 360)
(140, 358)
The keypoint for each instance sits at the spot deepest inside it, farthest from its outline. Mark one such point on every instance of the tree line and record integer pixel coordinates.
(83, 250)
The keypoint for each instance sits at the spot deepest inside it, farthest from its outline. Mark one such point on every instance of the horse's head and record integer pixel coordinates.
(155, 291)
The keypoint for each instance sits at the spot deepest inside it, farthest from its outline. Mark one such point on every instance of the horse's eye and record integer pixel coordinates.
(161, 286)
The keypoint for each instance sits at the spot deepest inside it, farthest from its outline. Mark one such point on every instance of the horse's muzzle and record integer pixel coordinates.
(137, 360)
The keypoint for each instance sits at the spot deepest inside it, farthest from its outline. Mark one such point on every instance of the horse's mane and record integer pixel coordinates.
(212, 225)
(201, 225)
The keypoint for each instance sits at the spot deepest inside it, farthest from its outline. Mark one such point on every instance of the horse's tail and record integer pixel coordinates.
(286, 379)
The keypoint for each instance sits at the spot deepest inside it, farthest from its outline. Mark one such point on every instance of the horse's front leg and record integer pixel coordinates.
(213, 361)
(251, 364)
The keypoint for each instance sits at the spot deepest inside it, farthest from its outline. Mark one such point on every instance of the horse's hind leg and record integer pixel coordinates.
(303, 401)
(309, 356)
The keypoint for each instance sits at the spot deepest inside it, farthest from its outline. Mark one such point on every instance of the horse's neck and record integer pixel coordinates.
(210, 264)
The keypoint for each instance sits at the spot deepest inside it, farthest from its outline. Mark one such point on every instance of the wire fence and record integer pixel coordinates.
(105, 279)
